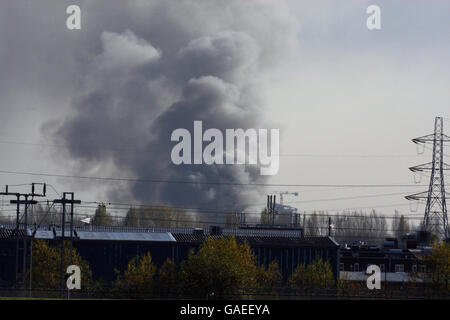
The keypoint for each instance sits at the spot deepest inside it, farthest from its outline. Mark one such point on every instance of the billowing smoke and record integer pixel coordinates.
(164, 65)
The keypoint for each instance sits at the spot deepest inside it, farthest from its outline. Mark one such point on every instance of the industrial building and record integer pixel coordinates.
(399, 262)
(109, 248)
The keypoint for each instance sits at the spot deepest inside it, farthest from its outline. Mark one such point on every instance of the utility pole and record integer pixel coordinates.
(273, 209)
(329, 226)
(435, 217)
(22, 240)
(65, 200)
(26, 203)
(304, 223)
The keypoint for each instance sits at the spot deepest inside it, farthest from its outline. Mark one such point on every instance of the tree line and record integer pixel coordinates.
(220, 268)
(352, 226)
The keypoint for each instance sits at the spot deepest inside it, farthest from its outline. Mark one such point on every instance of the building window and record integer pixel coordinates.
(356, 269)
(382, 268)
(422, 268)
(399, 268)
(414, 268)
(341, 267)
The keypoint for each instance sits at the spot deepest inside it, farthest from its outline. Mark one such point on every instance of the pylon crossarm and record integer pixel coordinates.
(430, 138)
(428, 166)
(417, 196)
(422, 167)
(424, 139)
(424, 195)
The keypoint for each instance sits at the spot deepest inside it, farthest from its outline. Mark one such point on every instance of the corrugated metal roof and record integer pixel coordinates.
(12, 233)
(263, 232)
(254, 237)
(110, 236)
(262, 240)
(127, 236)
(43, 234)
(48, 234)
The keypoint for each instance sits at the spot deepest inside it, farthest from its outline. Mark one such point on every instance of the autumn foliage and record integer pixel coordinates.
(47, 263)
(317, 275)
(220, 268)
(438, 266)
(138, 278)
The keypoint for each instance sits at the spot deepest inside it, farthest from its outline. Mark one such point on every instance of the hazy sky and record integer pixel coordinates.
(347, 100)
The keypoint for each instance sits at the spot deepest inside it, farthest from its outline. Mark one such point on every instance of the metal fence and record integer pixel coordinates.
(113, 292)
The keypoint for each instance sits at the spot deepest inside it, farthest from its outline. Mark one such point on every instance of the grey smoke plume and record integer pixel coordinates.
(160, 65)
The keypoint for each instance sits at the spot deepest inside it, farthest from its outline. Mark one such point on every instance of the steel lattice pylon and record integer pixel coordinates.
(435, 218)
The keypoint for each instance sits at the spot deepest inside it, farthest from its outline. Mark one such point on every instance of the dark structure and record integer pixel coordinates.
(289, 251)
(8, 255)
(109, 248)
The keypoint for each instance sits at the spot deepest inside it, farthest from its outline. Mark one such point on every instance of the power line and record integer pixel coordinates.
(228, 210)
(252, 204)
(54, 189)
(310, 155)
(224, 213)
(126, 206)
(208, 183)
(306, 155)
(215, 222)
(349, 198)
(260, 204)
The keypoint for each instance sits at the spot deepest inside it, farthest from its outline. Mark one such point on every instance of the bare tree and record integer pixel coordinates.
(349, 226)
(400, 225)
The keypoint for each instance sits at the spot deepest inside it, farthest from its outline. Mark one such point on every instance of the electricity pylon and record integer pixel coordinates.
(435, 218)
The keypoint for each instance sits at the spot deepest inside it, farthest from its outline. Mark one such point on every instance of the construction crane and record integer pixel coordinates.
(281, 193)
